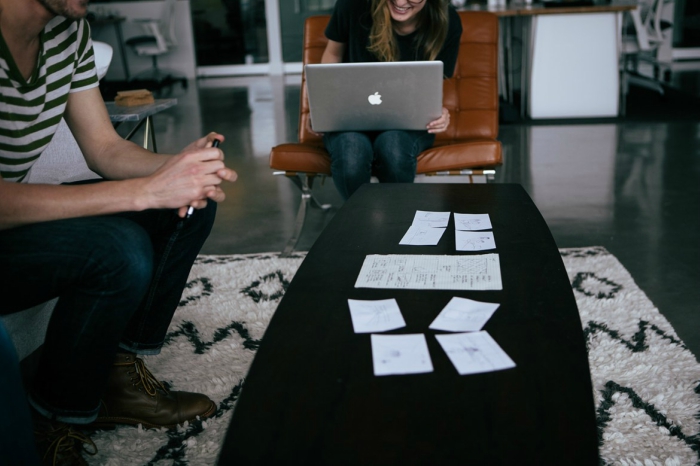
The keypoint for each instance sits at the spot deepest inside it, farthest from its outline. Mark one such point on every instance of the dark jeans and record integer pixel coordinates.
(16, 437)
(390, 155)
(119, 279)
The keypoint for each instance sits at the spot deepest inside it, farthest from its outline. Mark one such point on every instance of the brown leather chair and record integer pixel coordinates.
(468, 147)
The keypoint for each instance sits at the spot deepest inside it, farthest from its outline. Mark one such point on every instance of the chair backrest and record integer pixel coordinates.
(471, 95)
(647, 24)
(167, 23)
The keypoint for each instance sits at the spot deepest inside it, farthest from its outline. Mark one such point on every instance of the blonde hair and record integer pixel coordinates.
(432, 28)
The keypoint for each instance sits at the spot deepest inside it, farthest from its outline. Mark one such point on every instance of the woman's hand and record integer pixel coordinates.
(310, 130)
(441, 124)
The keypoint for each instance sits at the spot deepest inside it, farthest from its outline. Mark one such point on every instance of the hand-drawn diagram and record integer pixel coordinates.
(431, 219)
(421, 235)
(464, 315)
(471, 222)
(473, 353)
(375, 316)
(478, 272)
(400, 354)
(474, 241)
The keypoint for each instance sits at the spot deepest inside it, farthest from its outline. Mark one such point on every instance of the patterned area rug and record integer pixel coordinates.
(646, 381)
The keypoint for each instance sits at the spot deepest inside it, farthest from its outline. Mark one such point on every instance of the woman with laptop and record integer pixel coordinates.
(386, 31)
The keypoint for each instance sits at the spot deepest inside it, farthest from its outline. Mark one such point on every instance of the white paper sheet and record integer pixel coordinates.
(400, 354)
(431, 219)
(472, 222)
(421, 235)
(474, 240)
(464, 315)
(375, 316)
(474, 353)
(430, 272)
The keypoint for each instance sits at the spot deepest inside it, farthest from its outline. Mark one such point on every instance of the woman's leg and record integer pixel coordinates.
(351, 160)
(397, 152)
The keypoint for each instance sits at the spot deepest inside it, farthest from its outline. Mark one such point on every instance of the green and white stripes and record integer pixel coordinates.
(30, 110)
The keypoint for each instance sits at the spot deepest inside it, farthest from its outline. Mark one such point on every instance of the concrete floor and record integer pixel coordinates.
(632, 187)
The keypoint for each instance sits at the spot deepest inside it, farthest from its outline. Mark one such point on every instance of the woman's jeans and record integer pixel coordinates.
(119, 279)
(390, 155)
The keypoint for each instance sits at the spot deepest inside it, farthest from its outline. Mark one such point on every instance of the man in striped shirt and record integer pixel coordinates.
(117, 253)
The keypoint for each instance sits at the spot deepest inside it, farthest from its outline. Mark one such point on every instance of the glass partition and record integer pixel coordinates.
(229, 32)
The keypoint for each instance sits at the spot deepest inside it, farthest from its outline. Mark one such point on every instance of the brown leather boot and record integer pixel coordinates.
(61, 444)
(134, 396)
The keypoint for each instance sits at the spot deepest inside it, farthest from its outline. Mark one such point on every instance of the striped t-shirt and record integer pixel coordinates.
(30, 110)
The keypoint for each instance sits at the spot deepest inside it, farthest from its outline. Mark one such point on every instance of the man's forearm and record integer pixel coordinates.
(22, 204)
(121, 160)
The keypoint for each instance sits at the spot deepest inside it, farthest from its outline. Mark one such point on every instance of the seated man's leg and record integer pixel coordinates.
(16, 437)
(351, 160)
(133, 395)
(100, 268)
(138, 264)
(397, 153)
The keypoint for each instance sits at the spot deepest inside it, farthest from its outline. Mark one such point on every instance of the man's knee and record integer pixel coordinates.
(122, 254)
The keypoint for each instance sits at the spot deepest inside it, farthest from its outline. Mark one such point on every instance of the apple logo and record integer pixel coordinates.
(375, 99)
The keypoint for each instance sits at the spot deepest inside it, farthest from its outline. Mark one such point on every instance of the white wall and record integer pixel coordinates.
(181, 58)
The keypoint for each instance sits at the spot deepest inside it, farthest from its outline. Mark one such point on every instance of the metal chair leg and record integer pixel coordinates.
(305, 183)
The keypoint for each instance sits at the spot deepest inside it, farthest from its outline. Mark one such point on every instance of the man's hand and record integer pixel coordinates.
(203, 142)
(190, 178)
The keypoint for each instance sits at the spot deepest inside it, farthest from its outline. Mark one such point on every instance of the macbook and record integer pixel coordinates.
(374, 96)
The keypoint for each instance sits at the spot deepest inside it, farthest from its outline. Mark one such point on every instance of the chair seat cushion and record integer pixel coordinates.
(305, 158)
(469, 154)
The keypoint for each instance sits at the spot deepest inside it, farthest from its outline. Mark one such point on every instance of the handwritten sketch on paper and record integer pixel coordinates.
(419, 235)
(400, 354)
(464, 315)
(472, 222)
(431, 219)
(375, 316)
(474, 353)
(474, 240)
(430, 272)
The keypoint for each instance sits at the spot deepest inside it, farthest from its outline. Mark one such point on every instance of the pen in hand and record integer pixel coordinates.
(190, 209)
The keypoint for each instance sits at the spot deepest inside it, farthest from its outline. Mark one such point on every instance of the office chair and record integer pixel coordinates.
(646, 35)
(469, 146)
(158, 39)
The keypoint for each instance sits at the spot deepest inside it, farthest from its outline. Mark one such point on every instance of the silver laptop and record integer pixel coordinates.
(374, 96)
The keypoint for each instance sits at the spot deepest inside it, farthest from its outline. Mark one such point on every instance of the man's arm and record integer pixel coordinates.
(146, 180)
(106, 153)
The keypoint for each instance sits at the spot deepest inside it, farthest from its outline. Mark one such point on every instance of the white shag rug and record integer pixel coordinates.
(646, 382)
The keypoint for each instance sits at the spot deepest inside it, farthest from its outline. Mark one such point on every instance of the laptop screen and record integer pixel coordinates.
(374, 96)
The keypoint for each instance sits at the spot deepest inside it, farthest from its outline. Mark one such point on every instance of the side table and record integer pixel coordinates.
(141, 114)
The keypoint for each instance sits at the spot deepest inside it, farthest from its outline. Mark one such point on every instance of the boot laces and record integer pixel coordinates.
(147, 379)
(65, 443)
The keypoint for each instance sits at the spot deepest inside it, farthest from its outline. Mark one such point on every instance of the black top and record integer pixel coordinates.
(351, 23)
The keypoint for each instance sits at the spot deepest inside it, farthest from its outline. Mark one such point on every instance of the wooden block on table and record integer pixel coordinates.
(134, 98)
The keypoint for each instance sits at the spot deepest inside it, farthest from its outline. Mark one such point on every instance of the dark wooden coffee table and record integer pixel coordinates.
(311, 397)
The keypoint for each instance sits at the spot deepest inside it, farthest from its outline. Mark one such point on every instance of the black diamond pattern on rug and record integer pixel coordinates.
(590, 284)
(270, 287)
(196, 289)
(638, 343)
